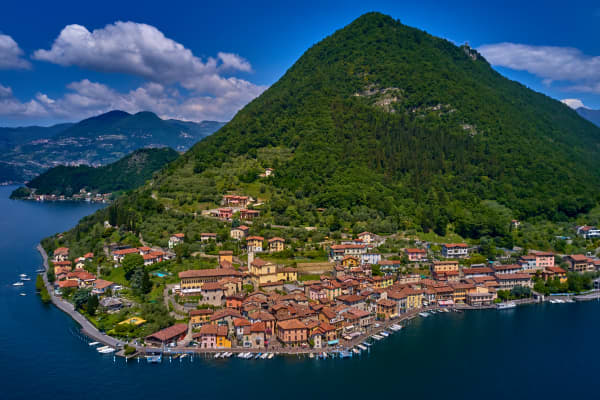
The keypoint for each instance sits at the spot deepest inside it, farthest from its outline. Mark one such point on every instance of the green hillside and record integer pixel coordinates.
(384, 127)
(128, 173)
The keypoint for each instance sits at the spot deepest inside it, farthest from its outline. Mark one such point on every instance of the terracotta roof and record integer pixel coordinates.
(239, 322)
(255, 238)
(477, 270)
(169, 333)
(67, 284)
(88, 255)
(62, 263)
(179, 235)
(291, 324)
(209, 273)
(202, 311)
(125, 251)
(102, 284)
(258, 327)
(212, 329)
(208, 234)
(415, 251)
(276, 239)
(61, 251)
(452, 245)
(225, 253)
(512, 276)
(386, 302)
(212, 286)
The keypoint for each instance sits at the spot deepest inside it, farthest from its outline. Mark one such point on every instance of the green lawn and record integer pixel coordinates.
(117, 275)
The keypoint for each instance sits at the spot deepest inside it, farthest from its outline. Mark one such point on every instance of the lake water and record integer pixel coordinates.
(540, 351)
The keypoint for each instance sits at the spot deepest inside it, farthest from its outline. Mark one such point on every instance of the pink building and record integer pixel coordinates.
(416, 254)
(544, 259)
(225, 213)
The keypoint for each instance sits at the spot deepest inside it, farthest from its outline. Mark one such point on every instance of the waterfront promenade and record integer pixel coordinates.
(86, 326)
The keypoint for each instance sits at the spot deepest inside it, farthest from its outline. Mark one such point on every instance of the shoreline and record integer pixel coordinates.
(89, 330)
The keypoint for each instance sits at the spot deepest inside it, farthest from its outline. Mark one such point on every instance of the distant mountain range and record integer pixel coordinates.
(590, 115)
(127, 173)
(100, 140)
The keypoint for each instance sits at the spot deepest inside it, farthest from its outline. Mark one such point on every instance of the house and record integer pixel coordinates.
(239, 233)
(579, 263)
(291, 332)
(460, 290)
(515, 224)
(111, 304)
(254, 244)
(268, 172)
(82, 277)
(225, 316)
(68, 283)
(248, 215)
(390, 265)
(192, 280)
(416, 255)
(239, 324)
(223, 213)
(276, 245)
(408, 279)
(153, 257)
(212, 293)
(339, 251)
(175, 239)
(323, 333)
(61, 254)
(555, 272)
(100, 286)
(477, 272)
(443, 269)
(200, 317)
(507, 269)
(349, 261)
(119, 255)
(205, 237)
(255, 336)
(383, 281)
(527, 263)
(543, 259)
(588, 232)
(480, 297)
(371, 258)
(213, 337)
(353, 300)
(366, 237)
(235, 200)
(386, 309)
(172, 334)
(455, 250)
(509, 281)
(262, 272)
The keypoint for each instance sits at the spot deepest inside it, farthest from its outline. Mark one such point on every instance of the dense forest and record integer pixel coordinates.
(384, 127)
(126, 174)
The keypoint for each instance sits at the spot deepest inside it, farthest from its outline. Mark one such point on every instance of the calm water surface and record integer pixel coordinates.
(535, 352)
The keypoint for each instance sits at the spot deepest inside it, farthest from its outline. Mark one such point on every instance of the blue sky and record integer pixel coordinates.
(63, 61)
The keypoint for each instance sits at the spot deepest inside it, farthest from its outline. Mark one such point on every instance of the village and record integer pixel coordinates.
(250, 301)
(82, 195)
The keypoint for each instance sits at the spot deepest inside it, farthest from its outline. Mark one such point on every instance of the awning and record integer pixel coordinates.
(333, 342)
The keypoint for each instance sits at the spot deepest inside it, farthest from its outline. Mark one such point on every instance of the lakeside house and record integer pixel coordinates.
(455, 250)
(167, 336)
(239, 233)
(176, 239)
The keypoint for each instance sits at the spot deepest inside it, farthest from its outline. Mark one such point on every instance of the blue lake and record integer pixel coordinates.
(535, 352)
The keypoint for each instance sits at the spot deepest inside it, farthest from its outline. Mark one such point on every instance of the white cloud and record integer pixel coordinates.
(210, 90)
(142, 50)
(550, 63)
(11, 54)
(86, 98)
(574, 103)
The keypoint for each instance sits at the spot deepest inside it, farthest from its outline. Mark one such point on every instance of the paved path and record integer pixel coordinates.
(86, 326)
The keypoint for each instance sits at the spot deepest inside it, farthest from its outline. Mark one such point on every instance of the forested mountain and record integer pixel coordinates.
(94, 141)
(128, 173)
(384, 127)
(590, 115)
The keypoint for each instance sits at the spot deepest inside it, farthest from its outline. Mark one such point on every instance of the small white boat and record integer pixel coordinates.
(271, 355)
(100, 349)
(109, 350)
(384, 334)
(424, 314)
(240, 355)
(324, 354)
(311, 355)
(356, 351)
(507, 305)
(377, 337)
(23, 275)
(25, 279)
(18, 284)
(93, 343)
(217, 355)
(265, 355)
(22, 294)
(363, 348)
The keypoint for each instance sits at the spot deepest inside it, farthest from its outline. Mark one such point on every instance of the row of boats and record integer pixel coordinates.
(426, 314)
(247, 356)
(22, 278)
(102, 349)
(560, 301)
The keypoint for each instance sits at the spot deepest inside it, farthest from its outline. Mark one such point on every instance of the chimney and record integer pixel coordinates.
(250, 259)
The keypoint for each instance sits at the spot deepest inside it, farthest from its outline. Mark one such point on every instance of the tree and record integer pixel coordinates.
(140, 281)
(81, 297)
(130, 263)
(92, 305)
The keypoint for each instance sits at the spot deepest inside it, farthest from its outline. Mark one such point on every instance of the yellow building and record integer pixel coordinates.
(223, 342)
(445, 266)
(383, 281)
(200, 317)
(349, 261)
(225, 256)
(276, 245)
(254, 244)
(262, 271)
(287, 274)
